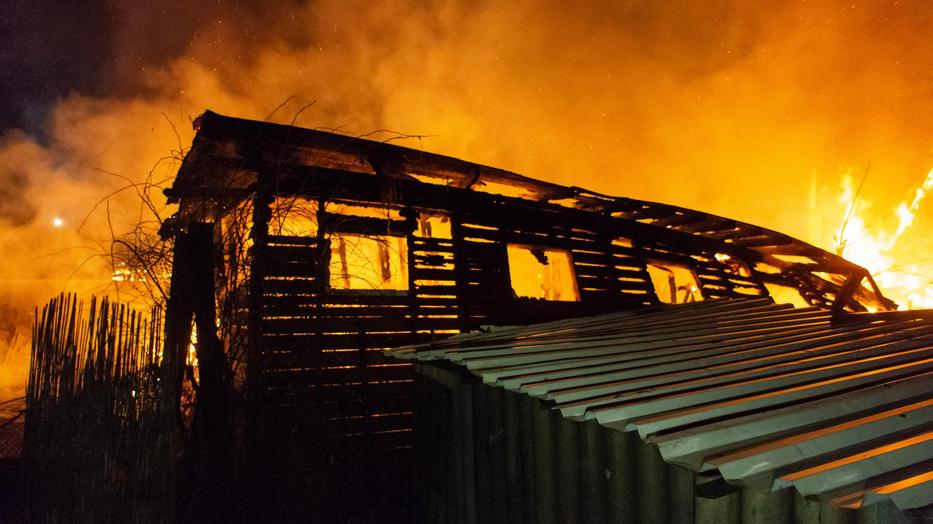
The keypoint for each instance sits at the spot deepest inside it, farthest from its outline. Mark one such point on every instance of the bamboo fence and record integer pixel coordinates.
(100, 440)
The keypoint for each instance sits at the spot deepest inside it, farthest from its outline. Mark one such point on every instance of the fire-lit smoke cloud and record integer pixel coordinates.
(746, 109)
(717, 106)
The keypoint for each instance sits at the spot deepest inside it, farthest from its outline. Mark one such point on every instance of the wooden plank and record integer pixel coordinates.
(431, 244)
(729, 279)
(325, 313)
(309, 268)
(587, 257)
(396, 406)
(432, 259)
(301, 252)
(344, 301)
(335, 311)
(505, 214)
(291, 287)
(364, 225)
(437, 290)
(756, 240)
(308, 369)
(351, 325)
(619, 251)
(391, 440)
(290, 341)
(432, 274)
(396, 397)
(610, 273)
(279, 240)
(366, 298)
(361, 424)
(679, 219)
(555, 239)
(291, 387)
(641, 274)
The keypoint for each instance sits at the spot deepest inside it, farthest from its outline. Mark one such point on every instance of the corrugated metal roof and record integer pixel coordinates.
(765, 395)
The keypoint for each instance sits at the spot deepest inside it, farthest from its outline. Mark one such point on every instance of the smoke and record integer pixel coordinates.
(15, 210)
(746, 109)
(714, 107)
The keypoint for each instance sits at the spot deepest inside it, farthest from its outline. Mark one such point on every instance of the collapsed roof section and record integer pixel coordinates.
(231, 157)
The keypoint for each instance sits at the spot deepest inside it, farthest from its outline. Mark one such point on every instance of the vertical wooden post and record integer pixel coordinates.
(209, 461)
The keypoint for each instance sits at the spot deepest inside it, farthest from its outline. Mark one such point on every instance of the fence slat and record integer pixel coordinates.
(95, 441)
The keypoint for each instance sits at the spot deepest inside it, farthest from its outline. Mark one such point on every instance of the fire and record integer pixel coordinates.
(904, 278)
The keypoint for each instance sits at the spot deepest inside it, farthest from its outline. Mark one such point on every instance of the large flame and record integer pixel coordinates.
(902, 274)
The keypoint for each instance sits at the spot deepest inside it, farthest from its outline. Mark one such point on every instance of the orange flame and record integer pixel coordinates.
(904, 280)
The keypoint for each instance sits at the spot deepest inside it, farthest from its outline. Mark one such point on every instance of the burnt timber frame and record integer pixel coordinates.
(314, 351)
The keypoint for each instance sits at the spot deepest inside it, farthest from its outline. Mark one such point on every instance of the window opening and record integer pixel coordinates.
(782, 294)
(433, 225)
(545, 273)
(368, 262)
(293, 217)
(674, 283)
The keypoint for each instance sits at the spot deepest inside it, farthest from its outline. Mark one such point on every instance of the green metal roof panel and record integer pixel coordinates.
(765, 395)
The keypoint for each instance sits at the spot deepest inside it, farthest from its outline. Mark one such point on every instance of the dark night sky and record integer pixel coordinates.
(50, 48)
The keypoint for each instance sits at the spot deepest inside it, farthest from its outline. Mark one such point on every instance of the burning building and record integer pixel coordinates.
(314, 252)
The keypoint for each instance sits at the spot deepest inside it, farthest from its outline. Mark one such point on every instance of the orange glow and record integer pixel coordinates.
(912, 441)
(433, 225)
(542, 273)
(903, 273)
(786, 295)
(674, 284)
(803, 437)
(368, 262)
(294, 216)
(191, 358)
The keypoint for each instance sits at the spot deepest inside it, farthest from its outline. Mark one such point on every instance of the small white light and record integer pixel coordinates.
(57, 222)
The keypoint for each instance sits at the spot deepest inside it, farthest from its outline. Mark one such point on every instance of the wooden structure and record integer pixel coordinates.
(445, 239)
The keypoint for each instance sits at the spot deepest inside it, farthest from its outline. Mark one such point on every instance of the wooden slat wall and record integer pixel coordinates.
(325, 346)
(325, 343)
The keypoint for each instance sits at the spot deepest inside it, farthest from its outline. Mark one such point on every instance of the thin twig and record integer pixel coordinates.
(274, 111)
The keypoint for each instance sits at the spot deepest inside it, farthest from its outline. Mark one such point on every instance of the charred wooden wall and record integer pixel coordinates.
(329, 401)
